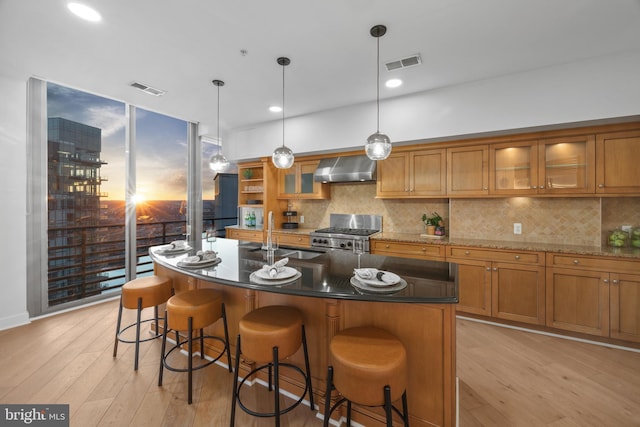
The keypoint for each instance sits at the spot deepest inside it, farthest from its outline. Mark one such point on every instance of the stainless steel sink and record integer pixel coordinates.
(293, 253)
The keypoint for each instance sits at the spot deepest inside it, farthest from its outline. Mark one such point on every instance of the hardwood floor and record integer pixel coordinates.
(507, 378)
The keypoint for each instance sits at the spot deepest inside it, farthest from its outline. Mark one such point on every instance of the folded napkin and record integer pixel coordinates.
(201, 256)
(276, 267)
(375, 274)
(177, 244)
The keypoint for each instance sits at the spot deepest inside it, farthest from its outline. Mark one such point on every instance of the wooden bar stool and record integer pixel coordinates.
(368, 366)
(269, 335)
(137, 294)
(189, 311)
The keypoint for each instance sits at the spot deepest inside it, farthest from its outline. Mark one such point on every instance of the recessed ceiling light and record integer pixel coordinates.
(84, 12)
(393, 83)
(275, 109)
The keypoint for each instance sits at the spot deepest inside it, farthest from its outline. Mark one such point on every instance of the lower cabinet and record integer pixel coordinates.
(507, 285)
(594, 295)
(292, 239)
(408, 250)
(244, 234)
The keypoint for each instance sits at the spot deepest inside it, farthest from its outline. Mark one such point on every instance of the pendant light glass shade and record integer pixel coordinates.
(378, 146)
(283, 156)
(218, 162)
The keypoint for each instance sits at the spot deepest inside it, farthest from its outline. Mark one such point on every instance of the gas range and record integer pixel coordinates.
(345, 230)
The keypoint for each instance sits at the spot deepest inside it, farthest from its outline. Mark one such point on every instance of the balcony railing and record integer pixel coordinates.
(90, 260)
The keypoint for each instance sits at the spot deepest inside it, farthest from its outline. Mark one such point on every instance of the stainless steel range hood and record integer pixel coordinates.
(346, 169)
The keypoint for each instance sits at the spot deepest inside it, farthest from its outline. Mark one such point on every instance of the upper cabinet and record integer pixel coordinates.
(617, 161)
(543, 167)
(412, 174)
(251, 185)
(567, 165)
(297, 182)
(513, 168)
(468, 170)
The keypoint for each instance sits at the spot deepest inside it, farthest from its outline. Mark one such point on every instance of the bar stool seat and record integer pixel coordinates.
(189, 311)
(137, 294)
(267, 336)
(368, 366)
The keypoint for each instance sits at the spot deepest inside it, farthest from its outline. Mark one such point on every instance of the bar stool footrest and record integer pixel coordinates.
(153, 337)
(178, 346)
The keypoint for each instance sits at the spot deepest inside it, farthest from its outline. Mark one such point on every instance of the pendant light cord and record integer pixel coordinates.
(218, 130)
(283, 65)
(378, 86)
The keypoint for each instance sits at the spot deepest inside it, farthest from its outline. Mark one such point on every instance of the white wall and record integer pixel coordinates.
(13, 124)
(595, 89)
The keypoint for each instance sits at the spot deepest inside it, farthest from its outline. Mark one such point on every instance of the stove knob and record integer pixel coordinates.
(315, 240)
(349, 244)
(326, 242)
(342, 245)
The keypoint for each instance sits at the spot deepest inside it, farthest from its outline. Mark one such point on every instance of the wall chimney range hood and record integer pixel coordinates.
(346, 169)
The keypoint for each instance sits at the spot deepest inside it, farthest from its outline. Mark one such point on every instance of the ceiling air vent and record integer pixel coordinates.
(148, 89)
(409, 61)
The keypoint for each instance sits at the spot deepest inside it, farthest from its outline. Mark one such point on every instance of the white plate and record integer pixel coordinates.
(167, 250)
(284, 273)
(356, 283)
(253, 278)
(197, 264)
(395, 279)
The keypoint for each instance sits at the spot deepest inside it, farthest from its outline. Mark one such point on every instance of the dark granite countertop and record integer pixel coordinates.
(512, 245)
(326, 275)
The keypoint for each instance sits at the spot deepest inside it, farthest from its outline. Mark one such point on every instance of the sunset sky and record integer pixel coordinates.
(161, 144)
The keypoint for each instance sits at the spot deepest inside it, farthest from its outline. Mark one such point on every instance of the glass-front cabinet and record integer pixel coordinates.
(514, 168)
(547, 166)
(567, 165)
(297, 182)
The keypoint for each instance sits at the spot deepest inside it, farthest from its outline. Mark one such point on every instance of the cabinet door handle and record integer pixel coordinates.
(488, 268)
(517, 256)
(600, 185)
(535, 186)
(542, 187)
(424, 249)
(495, 268)
(466, 252)
(484, 188)
(386, 246)
(615, 282)
(605, 280)
(576, 261)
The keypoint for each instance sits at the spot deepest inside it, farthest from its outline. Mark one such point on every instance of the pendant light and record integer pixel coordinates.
(218, 162)
(378, 146)
(283, 156)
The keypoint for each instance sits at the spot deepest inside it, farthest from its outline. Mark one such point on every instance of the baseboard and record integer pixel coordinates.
(15, 320)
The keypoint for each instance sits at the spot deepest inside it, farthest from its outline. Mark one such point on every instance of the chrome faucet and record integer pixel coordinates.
(269, 246)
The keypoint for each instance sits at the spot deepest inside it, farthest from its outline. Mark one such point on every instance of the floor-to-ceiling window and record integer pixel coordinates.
(84, 239)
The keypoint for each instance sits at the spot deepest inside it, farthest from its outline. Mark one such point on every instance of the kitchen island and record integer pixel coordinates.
(422, 315)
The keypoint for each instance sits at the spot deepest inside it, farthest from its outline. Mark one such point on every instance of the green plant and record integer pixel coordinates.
(433, 219)
(247, 173)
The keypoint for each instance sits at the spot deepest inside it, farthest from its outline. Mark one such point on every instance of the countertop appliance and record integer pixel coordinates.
(349, 232)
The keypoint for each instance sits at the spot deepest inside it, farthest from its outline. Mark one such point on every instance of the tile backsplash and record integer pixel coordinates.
(574, 221)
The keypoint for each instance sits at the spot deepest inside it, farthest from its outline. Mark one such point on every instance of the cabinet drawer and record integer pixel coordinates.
(593, 263)
(524, 257)
(250, 235)
(297, 240)
(408, 250)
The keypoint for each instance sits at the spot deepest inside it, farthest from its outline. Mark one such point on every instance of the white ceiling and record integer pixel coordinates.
(180, 46)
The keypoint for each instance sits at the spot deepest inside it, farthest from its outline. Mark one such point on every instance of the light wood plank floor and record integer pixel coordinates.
(507, 378)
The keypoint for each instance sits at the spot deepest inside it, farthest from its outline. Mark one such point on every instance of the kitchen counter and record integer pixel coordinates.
(512, 245)
(327, 275)
(422, 316)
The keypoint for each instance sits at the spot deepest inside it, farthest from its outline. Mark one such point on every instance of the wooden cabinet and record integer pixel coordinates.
(503, 284)
(408, 250)
(468, 170)
(513, 168)
(251, 184)
(292, 239)
(244, 234)
(567, 165)
(617, 160)
(594, 295)
(412, 174)
(297, 182)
